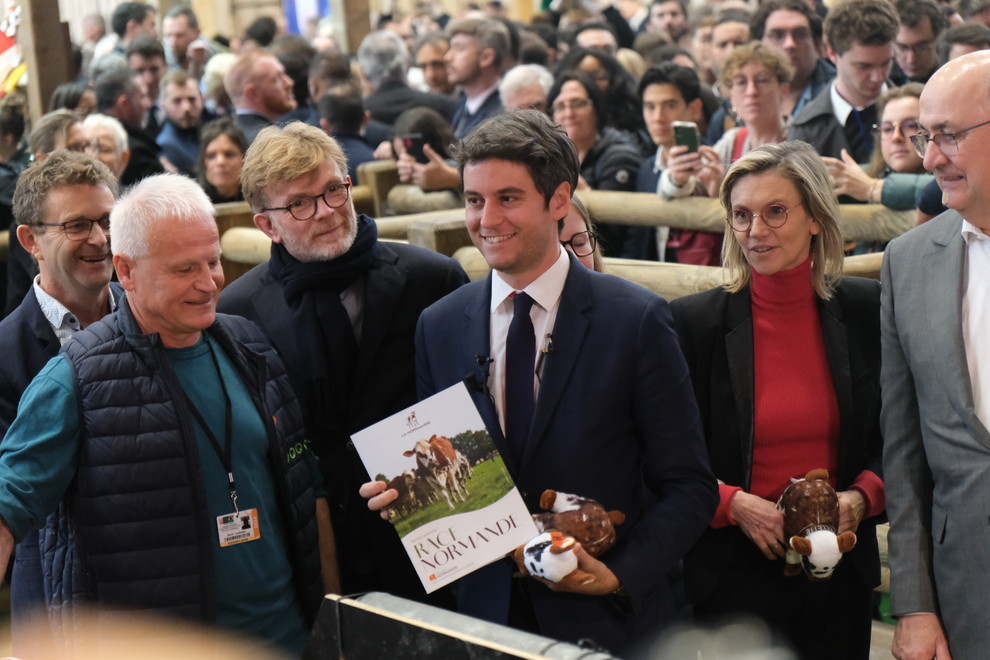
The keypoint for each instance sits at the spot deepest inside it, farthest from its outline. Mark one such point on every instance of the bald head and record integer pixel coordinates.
(955, 117)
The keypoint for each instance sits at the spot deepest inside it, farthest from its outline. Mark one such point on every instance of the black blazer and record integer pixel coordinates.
(716, 334)
(28, 340)
(401, 282)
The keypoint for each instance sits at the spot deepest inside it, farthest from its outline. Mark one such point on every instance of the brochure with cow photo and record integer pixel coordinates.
(458, 509)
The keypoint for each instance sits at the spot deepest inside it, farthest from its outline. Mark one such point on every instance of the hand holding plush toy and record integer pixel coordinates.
(811, 520)
(570, 519)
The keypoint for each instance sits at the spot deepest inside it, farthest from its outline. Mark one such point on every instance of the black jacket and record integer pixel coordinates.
(133, 531)
(716, 334)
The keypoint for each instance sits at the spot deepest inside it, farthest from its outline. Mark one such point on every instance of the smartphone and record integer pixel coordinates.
(413, 144)
(686, 133)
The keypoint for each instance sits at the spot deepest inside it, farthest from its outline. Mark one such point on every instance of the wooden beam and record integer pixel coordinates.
(47, 51)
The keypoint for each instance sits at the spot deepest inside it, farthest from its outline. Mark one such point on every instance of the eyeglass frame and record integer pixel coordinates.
(899, 127)
(592, 241)
(573, 104)
(82, 237)
(753, 216)
(921, 139)
(316, 202)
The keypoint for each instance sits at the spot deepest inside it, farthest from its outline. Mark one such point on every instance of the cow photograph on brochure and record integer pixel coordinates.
(443, 474)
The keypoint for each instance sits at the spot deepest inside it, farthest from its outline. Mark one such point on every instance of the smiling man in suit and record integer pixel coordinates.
(935, 381)
(606, 411)
(341, 308)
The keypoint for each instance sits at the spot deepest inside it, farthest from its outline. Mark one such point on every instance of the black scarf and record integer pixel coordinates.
(298, 277)
(324, 361)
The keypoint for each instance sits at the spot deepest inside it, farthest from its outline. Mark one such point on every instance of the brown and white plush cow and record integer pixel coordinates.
(811, 522)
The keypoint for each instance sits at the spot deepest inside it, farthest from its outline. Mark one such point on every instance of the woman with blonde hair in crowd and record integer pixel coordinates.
(578, 235)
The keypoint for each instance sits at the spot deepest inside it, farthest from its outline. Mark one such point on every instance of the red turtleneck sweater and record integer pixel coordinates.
(796, 414)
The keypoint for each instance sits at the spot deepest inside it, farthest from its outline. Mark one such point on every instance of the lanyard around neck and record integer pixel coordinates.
(224, 454)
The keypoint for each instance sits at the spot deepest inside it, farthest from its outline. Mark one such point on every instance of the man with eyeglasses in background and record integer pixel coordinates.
(859, 40)
(62, 206)
(341, 308)
(935, 382)
(797, 30)
(915, 52)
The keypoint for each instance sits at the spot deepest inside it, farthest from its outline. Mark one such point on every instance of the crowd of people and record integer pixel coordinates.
(141, 426)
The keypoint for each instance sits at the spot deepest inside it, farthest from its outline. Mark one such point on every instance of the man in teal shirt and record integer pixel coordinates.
(169, 440)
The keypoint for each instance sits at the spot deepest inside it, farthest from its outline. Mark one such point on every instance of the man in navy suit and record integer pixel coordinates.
(62, 207)
(341, 308)
(613, 415)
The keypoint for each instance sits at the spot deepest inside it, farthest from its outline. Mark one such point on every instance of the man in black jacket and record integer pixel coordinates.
(341, 308)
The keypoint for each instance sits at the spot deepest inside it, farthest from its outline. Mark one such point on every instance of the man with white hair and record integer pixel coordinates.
(129, 437)
(384, 61)
(106, 140)
(526, 87)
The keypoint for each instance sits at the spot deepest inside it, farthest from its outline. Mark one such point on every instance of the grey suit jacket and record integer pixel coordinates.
(936, 450)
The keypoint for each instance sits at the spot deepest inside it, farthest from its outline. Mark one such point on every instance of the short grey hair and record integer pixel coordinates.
(383, 56)
(114, 127)
(523, 75)
(163, 198)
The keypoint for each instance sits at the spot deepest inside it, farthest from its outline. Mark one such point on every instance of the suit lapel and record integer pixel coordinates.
(383, 288)
(569, 330)
(944, 266)
(739, 358)
(477, 351)
(836, 338)
(40, 326)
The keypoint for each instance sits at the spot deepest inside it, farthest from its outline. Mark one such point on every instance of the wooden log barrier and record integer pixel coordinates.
(858, 222)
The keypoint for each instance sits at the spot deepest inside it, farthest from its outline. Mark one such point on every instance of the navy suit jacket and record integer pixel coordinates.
(28, 338)
(615, 420)
(463, 122)
(401, 282)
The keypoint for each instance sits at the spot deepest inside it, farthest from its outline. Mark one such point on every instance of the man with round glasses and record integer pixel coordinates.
(935, 381)
(62, 205)
(341, 307)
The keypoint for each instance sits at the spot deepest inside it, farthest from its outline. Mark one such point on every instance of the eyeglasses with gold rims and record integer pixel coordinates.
(947, 143)
(81, 228)
(305, 208)
(906, 127)
(582, 244)
(774, 216)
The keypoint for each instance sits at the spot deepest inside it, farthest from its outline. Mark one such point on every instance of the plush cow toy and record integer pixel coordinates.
(569, 519)
(811, 521)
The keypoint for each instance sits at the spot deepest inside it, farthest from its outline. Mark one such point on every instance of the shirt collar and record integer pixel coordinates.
(841, 107)
(475, 102)
(57, 314)
(660, 161)
(545, 289)
(972, 233)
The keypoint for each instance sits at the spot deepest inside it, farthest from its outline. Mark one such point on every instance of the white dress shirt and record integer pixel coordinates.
(976, 317)
(545, 292)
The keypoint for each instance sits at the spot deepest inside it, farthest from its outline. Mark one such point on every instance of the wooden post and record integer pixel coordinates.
(47, 51)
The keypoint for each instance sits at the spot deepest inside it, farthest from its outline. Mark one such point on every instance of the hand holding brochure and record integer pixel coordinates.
(458, 509)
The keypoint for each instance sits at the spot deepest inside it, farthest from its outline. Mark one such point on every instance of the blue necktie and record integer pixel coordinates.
(520, 361)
